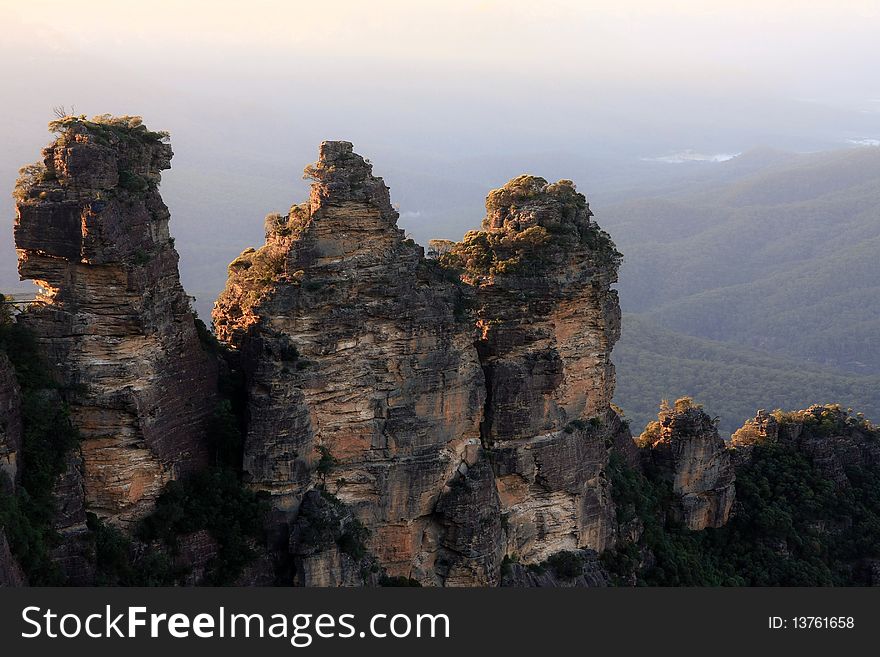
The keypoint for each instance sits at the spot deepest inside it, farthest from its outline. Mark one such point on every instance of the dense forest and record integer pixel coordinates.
(795, 522)
(783, 260)
(730, 380)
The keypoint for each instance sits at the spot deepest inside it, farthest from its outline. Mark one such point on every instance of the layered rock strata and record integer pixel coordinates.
(461, 414)
(111, 316)
(685, 448)
(540, 272)
(360, 378)
(833, 438)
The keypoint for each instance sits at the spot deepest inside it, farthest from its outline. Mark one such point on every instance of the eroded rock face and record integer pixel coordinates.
(541, 273)
(461, 407)
(359, 375)
(684, 445)
(10, 424)
(111, 317)
(834, 439)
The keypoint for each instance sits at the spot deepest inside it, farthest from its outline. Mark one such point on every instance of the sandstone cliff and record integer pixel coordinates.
(540, 272)
(684, 446)
(834, 439)
(460, 408)
(111, 317)
(359, 375)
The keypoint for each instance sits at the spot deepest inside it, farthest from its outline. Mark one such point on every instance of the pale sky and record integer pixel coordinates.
(448, 98)
(788, 42)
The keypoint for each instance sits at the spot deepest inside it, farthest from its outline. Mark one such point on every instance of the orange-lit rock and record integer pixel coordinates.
(112, 318)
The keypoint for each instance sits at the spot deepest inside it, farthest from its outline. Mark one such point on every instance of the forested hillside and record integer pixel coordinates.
(783, 260)
(731, 381)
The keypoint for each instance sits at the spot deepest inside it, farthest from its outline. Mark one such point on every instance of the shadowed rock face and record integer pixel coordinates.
(10, 424)
(450, 415)
(359, 375)
(833, 439)
(111, 317)
(10, 572)
(685, 447)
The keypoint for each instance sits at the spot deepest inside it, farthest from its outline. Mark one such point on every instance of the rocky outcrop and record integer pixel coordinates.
(834, 439)
(459, 407)
(540, 272)
(111, 316)
(685, 448)
(577, 569)
(10, 424)
(360, 377)
(328, 545)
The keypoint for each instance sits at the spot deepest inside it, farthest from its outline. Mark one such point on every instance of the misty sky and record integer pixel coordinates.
(447, 98)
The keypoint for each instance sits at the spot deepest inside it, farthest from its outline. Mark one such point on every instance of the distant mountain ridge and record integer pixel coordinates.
(783, 260)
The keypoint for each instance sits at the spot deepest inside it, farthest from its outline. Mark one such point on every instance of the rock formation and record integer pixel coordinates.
(834, 439)
(540, 272)
(360, 377)
(111, 317)
(684, 445)
(10, 424)
(461, 421)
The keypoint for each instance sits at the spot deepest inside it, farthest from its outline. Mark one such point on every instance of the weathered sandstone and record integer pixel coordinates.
(684, 445)
(360, 376)
(541, 272)
(461, 414)
(111, 317)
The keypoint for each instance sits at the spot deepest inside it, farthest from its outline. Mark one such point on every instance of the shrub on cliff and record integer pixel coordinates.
(793, 525)
(107, 128)
(216, 501)
(47, 438)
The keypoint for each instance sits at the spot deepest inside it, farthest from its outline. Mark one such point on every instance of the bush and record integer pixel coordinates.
(216, 501)
(398, 580)
(48, 436)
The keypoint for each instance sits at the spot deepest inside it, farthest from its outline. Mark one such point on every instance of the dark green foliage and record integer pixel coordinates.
(48, 436)
(133, 182)
(792, 527)
(227, 423)
(214, 500)
(731, 381)
(351, 535)
(327, 461)
(679, 559)
(398, 580)
(208, 340)
(225, 435)
(326, 518)
(582, 425)
(140, 257)
(567, 565)
(117, 564)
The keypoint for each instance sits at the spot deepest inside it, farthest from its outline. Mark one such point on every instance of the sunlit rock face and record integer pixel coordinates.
(361, 378)
(459, 407)
(684, 445)
(540, 273)
(111, 317)
(835, 439)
